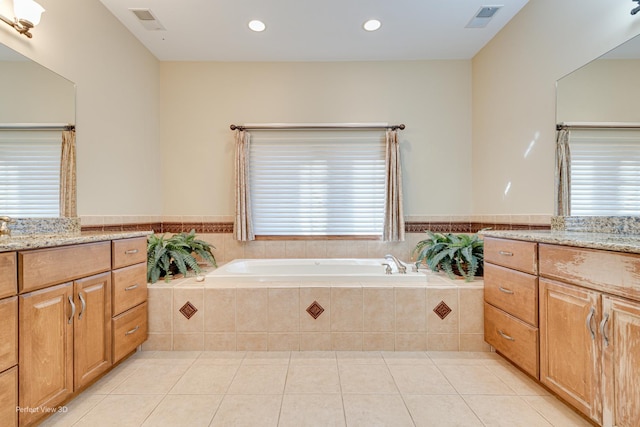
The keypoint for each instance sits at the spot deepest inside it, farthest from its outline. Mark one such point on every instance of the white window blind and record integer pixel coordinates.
(30, 173)
(605, 172)
(317, 185)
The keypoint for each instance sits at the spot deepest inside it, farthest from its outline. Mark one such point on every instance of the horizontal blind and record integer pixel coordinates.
(605, 172)
(312, 186)
(30, 173)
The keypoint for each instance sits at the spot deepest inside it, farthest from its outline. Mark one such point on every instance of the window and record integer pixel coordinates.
(310, 185)
(30, 173)
(605, 172)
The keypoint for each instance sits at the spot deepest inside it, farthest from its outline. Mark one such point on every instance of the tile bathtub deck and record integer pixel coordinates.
(300, 389)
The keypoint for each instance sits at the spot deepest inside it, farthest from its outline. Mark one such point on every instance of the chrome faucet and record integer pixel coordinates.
(4, 226)
(402, 268)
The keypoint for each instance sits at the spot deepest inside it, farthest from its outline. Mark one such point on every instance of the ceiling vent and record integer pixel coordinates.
(148, 20)
(483, 16)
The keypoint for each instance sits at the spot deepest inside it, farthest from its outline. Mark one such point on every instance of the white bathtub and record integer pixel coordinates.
(312, 270)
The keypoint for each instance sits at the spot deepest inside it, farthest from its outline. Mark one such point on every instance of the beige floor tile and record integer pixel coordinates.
(312, 379)
(184, 410)
(152, 379)
(259, 379)
(205, 379)
(267, 358)
(168, 356)
(475, 379)
(248, 411)
(312, 410)
(516, 380)
(462, 357)
(420, 380)
(556, 412)
(448, 410)
(74, 410)
(360, 357)
(117, 376)
(120, 411)
(505, 411)
(220, 358)
(406, 358)
(369, 410)
(315, 358)
(366, 379)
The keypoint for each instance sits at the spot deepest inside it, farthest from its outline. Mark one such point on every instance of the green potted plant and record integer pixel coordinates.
(176, 254)
(455, 254)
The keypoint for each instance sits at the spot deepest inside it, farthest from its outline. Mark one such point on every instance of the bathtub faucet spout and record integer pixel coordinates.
(402, 268)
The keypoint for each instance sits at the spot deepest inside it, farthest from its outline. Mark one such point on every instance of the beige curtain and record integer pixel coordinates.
(68, 206)
(563, 173)
(243, 223)
(393, 215)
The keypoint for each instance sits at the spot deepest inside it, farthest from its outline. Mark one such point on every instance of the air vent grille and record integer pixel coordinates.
(483, 16)
(147, 19)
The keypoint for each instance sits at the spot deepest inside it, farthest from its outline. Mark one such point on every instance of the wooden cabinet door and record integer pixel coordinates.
(92, 328)
(621, 350)
(570, 346)
(45, 350)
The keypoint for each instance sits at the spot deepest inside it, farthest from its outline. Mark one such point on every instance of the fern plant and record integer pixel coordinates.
(169, 256)
(452, 253)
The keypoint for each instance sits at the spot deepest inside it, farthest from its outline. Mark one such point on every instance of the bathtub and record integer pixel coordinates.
(313, 305)
(312, 270)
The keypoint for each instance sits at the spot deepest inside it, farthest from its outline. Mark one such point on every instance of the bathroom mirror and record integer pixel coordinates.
(31, 94)
(603, 91)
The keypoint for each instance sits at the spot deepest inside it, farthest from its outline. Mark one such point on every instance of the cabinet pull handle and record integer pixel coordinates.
(505, 336)
(131, 251)
(506, 291)
(132, 287)
(603, 331)
(589, 319)
(73, 310)
(132, 330)
(83, 307)
(506, 253)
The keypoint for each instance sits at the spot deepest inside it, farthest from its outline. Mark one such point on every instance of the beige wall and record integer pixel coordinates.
(117, 101)
(514, 96)
(605, 90)
(200, 100)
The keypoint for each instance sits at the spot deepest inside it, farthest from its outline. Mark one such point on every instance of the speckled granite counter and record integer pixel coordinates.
(16, 243)
(629, 243)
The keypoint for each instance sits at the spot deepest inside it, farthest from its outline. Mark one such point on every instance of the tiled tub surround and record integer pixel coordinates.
(279, 316)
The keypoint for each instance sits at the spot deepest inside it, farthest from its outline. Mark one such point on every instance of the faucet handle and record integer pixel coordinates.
(388, 269)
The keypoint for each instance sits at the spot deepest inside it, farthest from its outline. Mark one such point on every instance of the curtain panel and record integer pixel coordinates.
(243, 223)
(68, 207)
(394, 218)
(563, 173)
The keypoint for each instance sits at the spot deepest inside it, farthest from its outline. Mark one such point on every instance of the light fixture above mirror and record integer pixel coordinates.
(26, 16)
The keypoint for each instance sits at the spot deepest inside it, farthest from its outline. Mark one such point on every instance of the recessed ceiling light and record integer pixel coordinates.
(257, 26)
(372, 25)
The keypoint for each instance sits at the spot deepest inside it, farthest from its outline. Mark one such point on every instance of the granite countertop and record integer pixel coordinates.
(629, 243)
(36, 241)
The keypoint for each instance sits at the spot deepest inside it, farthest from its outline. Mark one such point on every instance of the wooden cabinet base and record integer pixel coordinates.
(9, 397)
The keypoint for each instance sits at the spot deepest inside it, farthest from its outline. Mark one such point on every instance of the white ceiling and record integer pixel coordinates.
(305, 30)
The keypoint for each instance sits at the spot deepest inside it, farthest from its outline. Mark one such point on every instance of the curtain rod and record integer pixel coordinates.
(598, 125)
(36, 126)
(317, 126)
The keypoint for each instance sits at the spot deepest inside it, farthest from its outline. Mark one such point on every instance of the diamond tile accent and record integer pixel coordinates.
(315, 310)
(442, 310)
(188, 310)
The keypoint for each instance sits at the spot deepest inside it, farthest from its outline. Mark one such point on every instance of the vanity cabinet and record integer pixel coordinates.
(511, 301)
(8, 340)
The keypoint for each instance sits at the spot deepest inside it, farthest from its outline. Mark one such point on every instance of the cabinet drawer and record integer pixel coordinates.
(129, 251)
(516, 254)
(129, 331)
(129, 287)
(516, 340)
(8, 274)
(8, 332)
(45, 267)
(611, 272)
(9, 397)
(512, 291)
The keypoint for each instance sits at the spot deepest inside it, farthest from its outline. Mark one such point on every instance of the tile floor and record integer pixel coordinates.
(300, 389)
